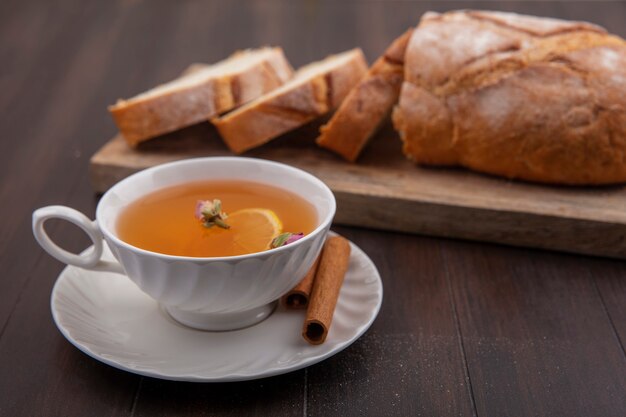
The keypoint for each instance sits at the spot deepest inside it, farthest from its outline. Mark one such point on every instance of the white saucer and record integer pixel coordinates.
(106, 316)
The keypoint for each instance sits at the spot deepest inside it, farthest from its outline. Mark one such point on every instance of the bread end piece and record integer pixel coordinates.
(201, 93)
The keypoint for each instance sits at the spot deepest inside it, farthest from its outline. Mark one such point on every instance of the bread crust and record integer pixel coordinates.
(529, 98)
(142, 119)
(367, 104)
(293, 106)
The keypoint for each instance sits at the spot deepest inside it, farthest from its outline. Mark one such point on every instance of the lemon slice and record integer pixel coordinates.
(254, 228)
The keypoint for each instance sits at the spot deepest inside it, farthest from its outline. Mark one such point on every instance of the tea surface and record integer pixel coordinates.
(165, 221)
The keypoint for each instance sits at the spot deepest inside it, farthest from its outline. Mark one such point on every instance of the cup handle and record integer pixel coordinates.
(91, 259)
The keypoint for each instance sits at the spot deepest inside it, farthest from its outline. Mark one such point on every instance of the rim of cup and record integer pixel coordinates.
(322, 224)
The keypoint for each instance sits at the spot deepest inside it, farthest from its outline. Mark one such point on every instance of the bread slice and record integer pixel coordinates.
(315, 89)
(200, 94)
(367, 104)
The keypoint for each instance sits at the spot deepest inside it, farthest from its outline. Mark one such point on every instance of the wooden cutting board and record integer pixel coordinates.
(385, 191)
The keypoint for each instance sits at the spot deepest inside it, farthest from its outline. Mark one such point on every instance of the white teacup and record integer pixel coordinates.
(224, 293)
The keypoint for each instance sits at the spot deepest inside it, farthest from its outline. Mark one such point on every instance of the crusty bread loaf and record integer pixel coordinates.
(201, 93)
(522, 97)
(314, 90)
(367, 104)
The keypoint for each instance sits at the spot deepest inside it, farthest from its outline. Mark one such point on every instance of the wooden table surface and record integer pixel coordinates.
(465, 328)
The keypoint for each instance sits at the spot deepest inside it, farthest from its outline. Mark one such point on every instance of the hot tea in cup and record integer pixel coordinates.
(184, 232)
(171, 221)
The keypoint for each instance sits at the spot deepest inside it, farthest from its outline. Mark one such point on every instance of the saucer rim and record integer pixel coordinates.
(234, 377)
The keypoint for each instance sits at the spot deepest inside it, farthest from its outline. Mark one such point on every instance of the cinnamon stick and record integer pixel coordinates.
(298, 297)
(331, 271)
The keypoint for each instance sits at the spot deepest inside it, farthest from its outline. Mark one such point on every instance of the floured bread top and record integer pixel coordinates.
(237, 63)
(460, 52)
(445, 43)
(304, 75)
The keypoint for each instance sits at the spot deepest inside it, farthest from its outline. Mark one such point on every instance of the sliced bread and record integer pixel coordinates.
(367, 104)
(200, 94)
(314, 90)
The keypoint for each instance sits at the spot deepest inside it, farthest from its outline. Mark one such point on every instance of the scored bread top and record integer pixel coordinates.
(517, 96)
(314, 90)
(202, 93)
